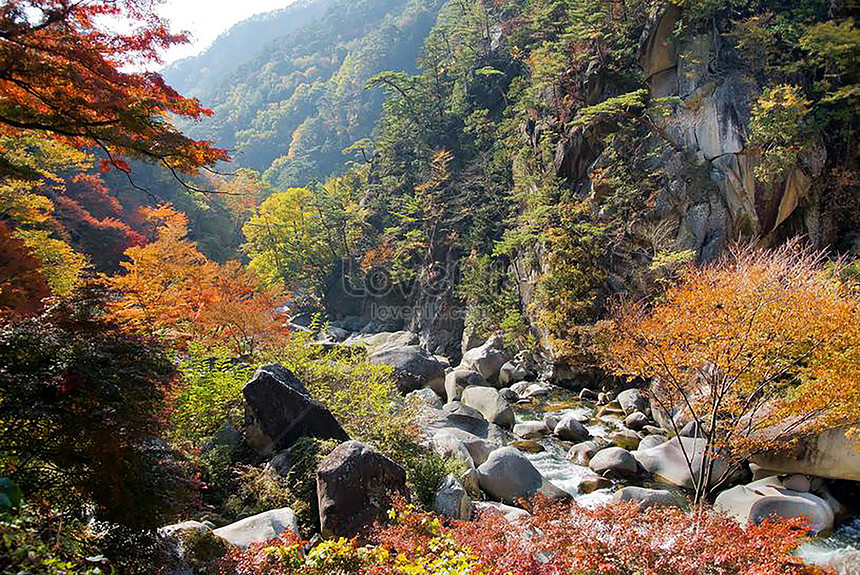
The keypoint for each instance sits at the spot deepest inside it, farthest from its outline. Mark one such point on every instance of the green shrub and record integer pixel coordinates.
(211, 394)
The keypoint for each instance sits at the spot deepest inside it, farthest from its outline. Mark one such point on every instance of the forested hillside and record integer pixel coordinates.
(411, 287)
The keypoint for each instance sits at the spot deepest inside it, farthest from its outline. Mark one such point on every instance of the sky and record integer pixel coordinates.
(206, 19)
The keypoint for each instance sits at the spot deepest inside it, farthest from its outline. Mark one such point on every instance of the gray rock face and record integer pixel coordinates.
(614, 460)
(531, 429)
(765, 498)
(491, 405)
(414, 368)
(279, 410)
(632, 400)
(259, 528)
(570, 429)
(487, 359)
(648, 497)
(508, 475)
(668, 463)
(355, 485)
(448, 445)
(452, 500)
(460, 379)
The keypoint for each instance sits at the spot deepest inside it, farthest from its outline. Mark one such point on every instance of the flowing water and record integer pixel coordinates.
(839, 551)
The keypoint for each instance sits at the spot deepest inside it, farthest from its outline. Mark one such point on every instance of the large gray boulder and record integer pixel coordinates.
(459, 408)
(649, 497)
(829, 454)
(432, 421)
(768, 498)
(279, 410)
(414, 368)
(487, 359)
(426, 396)
(632, 400)
(614, 460)
(460, 379)
(570, 429)
(355, 487)
(452, 500)
(508, 476)
(667, 461)
(491, 405)
(260, 528)
(650, 441)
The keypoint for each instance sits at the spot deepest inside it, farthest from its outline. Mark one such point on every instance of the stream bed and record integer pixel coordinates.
(839, 551)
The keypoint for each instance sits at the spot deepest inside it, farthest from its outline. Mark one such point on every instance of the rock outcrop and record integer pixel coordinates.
(355, 487)
(414, 368)
(259, 528)
(279, 410)
(508, 476)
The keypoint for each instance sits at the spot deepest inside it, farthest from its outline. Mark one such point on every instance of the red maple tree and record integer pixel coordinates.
(62, 74)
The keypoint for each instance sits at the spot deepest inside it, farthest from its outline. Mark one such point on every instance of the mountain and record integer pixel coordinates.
(292, 107)
(198, 75)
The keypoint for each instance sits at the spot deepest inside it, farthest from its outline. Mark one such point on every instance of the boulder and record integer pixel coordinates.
(509, 395)
(632, 400)
(668, 464)
(592, 482)
(491, 405)
(649, 497)
(539, 389)
(414, 368)
(259, 528)
(487, 359)
(511, 514)
(191, 547)
(426, 396)
(650, 441)
(279, 410)
(449, 446)
(581, 453)
(528, 445)
(636, 421)
(460, 379)
(511, 373)
(831, 454)
(767, 497)
(570, 429)
(458, 408)
(531, 429)
(614, 460)
(478, 449)
(432, 421)
(551, 421)
(625, 438)
(452, 500)
(355, 486)
(508, 475)
(385, 340)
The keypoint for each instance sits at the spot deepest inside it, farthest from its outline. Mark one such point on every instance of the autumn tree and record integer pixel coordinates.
(171, 289)
(61, 76)
(757, 349)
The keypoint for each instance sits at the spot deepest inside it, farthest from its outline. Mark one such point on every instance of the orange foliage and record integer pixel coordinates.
(759, 348)
(171, 288)
(22, 285)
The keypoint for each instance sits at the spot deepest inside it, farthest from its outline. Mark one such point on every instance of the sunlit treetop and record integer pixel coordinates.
(62, 74)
